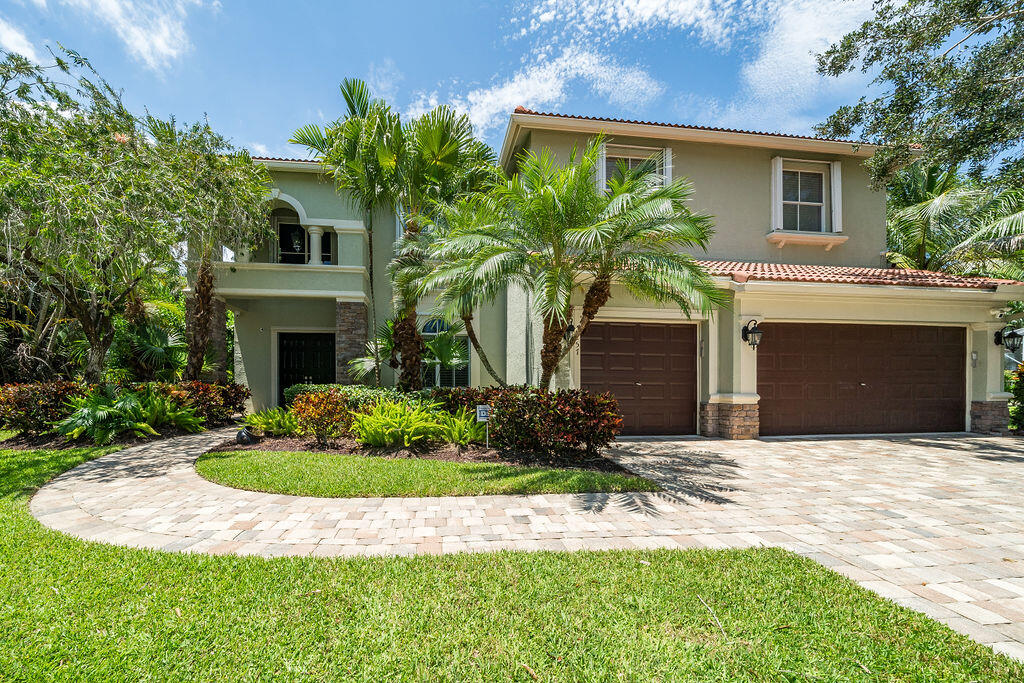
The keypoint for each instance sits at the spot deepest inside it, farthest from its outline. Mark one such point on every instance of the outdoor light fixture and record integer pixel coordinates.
(1010, 339)
(569, 329)
(751, 334)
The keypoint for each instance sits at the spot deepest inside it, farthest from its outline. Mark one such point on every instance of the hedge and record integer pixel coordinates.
(356, 395)
(567, 421)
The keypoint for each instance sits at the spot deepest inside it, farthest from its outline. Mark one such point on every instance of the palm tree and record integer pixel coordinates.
(939, 221)
(554, 233)
(442, 349)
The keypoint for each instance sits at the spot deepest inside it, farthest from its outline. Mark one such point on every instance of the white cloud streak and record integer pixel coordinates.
(383, 79)
(153, 31)
(13, 39)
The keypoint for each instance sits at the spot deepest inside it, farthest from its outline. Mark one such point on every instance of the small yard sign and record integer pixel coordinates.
(483, 413)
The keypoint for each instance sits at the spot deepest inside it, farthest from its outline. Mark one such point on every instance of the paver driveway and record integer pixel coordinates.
(934, 523)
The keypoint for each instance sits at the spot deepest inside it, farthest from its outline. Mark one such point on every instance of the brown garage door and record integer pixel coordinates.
(849, 379)
(651, 369)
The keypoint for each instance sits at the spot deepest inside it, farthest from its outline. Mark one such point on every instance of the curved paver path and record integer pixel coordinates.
(935, 523)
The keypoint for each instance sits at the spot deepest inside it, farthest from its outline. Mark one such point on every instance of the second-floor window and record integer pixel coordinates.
(631, 158)
(803, 201)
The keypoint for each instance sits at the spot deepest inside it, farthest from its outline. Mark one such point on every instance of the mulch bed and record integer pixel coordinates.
(449, 452)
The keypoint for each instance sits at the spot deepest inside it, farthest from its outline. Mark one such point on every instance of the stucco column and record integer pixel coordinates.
(989, 412)
(315, 236)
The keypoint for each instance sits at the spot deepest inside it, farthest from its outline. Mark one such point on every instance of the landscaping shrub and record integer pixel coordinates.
(110, 411)
(568, 421)
(1014, 384)
(355, 395)
(460, 428)
(215, 403)
(34, 408)
(396, 423)
(322, 415)
(275, 422)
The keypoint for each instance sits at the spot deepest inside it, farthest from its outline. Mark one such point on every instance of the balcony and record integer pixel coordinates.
(285, 280)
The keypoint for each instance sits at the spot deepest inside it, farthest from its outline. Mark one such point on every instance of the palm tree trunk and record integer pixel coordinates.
(551, 350)
(371, 333)
(199, 313)
(409, 344)
(467, 321)
(598, 294)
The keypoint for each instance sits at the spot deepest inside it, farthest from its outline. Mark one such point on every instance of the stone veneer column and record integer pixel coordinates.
(990, 417)
(730, 420)
(350, 335)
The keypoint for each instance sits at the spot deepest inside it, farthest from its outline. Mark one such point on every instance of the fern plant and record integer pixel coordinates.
(461, 428)
(108, 412)
(390, 423)
(275, 422)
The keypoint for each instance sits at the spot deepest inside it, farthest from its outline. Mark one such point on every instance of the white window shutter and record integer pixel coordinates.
(776, 190)
(600, 178)
(399, 228)
(837, 196)
(666, 162)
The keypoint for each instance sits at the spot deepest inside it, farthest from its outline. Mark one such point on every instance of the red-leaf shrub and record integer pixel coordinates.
(33, 408)
(216, 403)
(322, 415)
(569, 421)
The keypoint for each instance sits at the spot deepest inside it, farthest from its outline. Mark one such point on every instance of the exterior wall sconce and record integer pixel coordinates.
(1009, 339)
(751, 334)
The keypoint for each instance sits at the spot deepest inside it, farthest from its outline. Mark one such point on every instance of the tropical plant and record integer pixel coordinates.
(275, 422)
(948, 77)
(551, 231)
(111, 411)
(460, 428)
(146, 350)
(34, 408)
(322, 415)
(356, 395)
(939, 221)
(441, 349)
(396, 423)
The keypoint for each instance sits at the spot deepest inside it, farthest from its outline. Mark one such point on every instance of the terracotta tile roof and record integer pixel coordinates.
(305, 161)
(524, 110)
(743, 271)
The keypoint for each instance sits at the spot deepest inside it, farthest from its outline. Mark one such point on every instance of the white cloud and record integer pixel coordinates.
(153, 31)
(13, 40)
(259, 149)
(383, 79)
(545, 82)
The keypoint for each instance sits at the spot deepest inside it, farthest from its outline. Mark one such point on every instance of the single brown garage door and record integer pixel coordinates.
(650, 368)
(850, 379)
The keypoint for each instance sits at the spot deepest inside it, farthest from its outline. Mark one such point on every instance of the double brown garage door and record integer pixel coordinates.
(650, 368)
(848, 379)
(812, 378)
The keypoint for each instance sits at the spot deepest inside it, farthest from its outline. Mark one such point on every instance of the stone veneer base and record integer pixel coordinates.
(730, 420)
(350, 335)
(990, 417)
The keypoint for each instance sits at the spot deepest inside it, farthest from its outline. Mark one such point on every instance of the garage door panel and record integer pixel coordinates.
(861, 378)
(650, 368)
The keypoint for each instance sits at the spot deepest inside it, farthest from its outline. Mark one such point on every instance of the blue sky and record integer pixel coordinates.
(258, 70)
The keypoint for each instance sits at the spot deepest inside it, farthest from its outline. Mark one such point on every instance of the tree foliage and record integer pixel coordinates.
(949, 82)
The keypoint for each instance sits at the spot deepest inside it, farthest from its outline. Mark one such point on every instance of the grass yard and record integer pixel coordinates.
(75, 610)
(337, 475)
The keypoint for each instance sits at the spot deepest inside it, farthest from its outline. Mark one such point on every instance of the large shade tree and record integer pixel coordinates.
(948, 82)
(554, 233)
(221, 201)
(86, 211)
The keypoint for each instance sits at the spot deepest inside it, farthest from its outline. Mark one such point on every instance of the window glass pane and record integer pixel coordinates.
(790, 186)
(810, 218)
(460, 376)
(326, 247)
(789, 216)
(811, 187)
(291, 243)
(611, 168)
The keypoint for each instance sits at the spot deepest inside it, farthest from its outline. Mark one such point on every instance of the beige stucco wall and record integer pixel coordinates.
(733, 184)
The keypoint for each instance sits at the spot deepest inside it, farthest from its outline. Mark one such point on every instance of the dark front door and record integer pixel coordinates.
(861, 379)
(304, 358)
(650, 368)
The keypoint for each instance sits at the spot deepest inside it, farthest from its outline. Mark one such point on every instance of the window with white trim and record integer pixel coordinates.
(617, 157)
(437, 376)
(803, 201)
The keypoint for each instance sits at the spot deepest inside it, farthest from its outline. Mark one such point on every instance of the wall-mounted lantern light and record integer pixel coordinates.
(751, 334)
(569, 329)
(1010, 339)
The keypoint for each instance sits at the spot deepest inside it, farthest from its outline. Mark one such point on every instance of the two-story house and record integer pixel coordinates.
(846, 345)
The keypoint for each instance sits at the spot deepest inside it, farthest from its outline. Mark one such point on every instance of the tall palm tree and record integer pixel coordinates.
(553, 232)
(434, 161)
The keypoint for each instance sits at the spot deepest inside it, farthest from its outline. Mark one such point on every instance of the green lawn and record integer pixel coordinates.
(75, 610)
(335, 475)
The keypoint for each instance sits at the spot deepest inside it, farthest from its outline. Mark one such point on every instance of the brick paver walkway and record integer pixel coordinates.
(934, 523)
